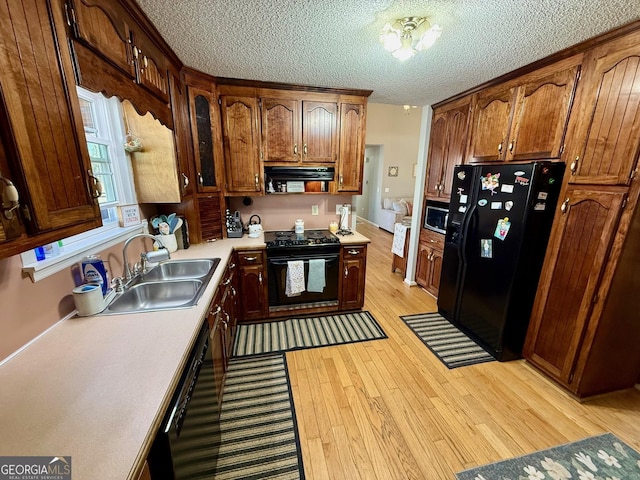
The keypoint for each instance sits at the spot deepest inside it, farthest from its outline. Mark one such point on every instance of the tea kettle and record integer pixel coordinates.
(255, 228)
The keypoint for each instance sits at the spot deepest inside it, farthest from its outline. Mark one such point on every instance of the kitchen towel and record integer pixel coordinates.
(316, 281)
(399, 236)
(294, 284)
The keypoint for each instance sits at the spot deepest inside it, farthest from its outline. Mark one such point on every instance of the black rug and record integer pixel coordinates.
(447, 342)
(601, 457)
(307, 332)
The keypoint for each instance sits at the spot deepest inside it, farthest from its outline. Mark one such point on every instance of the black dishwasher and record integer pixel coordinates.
(186, 445)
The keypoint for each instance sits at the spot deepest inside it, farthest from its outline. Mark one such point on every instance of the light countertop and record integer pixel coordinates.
(96, 388)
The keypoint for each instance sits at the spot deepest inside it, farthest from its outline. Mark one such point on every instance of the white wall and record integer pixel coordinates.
(399, 133)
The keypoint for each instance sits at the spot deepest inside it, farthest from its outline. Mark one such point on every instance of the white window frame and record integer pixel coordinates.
(110, 128)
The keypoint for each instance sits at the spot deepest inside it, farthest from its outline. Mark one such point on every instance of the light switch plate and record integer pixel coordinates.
(314, 209)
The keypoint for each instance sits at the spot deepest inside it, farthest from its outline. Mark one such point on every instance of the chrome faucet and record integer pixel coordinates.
(160, 255)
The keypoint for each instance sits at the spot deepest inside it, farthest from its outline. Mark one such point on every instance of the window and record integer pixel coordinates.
(104, 131)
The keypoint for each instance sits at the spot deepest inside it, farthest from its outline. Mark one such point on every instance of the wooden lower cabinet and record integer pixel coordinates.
(584, 331)
(353, 263)
(429, 261)
(252, 284)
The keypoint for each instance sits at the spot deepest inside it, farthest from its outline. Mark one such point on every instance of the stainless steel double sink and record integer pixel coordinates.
(169, 285)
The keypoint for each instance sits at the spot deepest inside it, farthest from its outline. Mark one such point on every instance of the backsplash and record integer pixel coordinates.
(279, 212)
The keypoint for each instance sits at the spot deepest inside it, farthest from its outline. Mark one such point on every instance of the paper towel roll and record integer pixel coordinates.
(88, 299)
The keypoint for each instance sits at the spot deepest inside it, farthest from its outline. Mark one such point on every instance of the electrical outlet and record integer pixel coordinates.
(314, 209)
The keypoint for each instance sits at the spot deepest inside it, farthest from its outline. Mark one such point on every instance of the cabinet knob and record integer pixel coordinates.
(260, 277)
(257, 180)
(185, 180)
(511, 146)
(304, 149)
(135, 52)
(500, 147)
(295, 149)
(574, 165)
(564, 208)
(346, 272)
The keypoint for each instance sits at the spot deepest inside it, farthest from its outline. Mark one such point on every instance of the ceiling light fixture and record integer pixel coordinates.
(408, 35)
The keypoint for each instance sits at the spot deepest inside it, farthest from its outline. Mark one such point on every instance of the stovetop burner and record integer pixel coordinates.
(279, 239)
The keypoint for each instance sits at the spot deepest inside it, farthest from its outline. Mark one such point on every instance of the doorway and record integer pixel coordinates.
(366, 204)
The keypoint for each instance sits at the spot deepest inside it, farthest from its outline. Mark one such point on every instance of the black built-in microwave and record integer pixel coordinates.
(435, 216)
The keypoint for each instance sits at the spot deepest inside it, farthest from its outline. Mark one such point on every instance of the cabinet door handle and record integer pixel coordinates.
(564, 208)
(227, 282)
(97, 185)
(232, 266)
(511, 145)
(145, 62)
(260, 277)
(257, 180)
(200, 179)
(135, 52)
(346, 272)
(250, 259)
(10, 197)
(304, 149)
(185, 180)
(353, 252)
(340, 179)
(295, 149)
(574, 165)
(500, 147)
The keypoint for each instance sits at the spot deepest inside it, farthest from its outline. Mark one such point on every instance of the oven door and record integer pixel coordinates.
(277, 274)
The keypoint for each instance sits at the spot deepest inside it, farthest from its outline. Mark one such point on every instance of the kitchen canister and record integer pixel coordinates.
(88, 299)
(299, 226)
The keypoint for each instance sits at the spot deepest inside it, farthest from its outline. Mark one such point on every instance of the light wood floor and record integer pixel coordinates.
(388, 409)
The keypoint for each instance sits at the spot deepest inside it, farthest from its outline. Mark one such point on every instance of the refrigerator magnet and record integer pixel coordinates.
(508, 205)
(524, 181)
(486, 248)
(506, 188)
(496, 205)
(464, 198)
(491, 182)
(482, 202)
(540, 207)
(542, 195)
(462, 209)
(502, 228)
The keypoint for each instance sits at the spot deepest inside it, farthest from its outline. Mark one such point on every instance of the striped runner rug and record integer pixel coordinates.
(308, 332)
(258, 433)
(447, 342)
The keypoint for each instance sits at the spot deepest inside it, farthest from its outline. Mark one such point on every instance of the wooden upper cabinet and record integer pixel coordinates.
(351, 159)
(241, 144)
(526, 120)
(490, 126)
(281, 134)
(205, 134)
(446, 147)
(179, 103)
(604, 134)
(151, 66)
(115, 54)
(106, 29)
(540, 116)
(578, 252)
(319, 132)
(298, 130)
(42, 122)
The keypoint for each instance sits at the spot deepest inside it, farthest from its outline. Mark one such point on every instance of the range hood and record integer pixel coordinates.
(300, 174)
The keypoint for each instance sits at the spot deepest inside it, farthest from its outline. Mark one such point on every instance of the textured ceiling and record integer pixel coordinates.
(334, 43)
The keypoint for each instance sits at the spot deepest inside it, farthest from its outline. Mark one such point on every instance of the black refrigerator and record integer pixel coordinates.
(499, 223)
